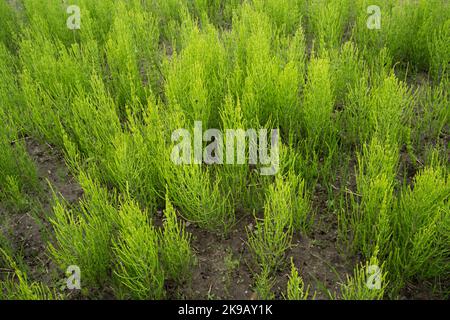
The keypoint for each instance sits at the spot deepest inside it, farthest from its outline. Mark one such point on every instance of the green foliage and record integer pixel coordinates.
(195, 78)
(347, 71)
(48, 19)
(137, 266)
(363, 118)
(52, 76)
(372, 205)
(438, 51)
(421, 223)
(285, 14)
(318, 121)
(429, 19)
(359, 286)
(176, 254)
(294, 202)
(285, 208)
(200, 197)
(10, 95)
(318, 102)
(365, 37)
(268, 71)
(264, 284)
(413, 31)
(296, 287)
(8, 24)
(93, 119)
(382, 112)
(83, 234)
(132, 55)
(18, 174)
(431, 116)
(389, 102)
(19, 287)
(97, 19)
(328, 21)
(235, 177)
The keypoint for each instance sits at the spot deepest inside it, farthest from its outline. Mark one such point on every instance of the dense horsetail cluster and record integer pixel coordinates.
(93, 206)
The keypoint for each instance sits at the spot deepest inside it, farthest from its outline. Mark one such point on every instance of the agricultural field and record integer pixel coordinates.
(224, 149)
